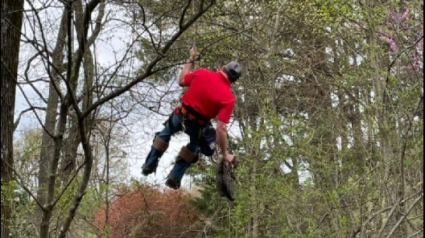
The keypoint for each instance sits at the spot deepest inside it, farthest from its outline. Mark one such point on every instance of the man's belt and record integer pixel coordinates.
(192, 114)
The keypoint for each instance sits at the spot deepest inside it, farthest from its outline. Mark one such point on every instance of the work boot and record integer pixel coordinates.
(152, 161)
(159, 146)
(172, 183)
(183, 161)
(177, 173)
(148, 169)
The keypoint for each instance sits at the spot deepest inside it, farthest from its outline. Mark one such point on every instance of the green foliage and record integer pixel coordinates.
(338, 118)
(22, 208)
(330, 113)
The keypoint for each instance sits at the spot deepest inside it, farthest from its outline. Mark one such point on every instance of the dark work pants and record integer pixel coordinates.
(171, 127)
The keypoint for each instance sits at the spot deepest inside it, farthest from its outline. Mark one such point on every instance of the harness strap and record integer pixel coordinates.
(192, 111)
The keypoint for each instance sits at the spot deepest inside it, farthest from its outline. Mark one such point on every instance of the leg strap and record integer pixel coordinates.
(186, 154)
(159, 144)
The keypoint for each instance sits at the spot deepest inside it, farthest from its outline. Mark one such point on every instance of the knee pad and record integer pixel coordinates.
(186, 154)
(159, 144)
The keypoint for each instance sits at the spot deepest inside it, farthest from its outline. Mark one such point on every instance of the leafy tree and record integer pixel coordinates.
(311, 102)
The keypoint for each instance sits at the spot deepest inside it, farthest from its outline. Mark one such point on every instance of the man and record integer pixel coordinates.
(208, 95)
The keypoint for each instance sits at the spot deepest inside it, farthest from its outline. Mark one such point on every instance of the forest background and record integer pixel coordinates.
(328, 124)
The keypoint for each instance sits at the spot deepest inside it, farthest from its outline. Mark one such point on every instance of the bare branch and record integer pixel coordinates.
(149, 69)
(399, 54)
(36, 115)
(182, 16)
(99, 24)
(416, 233)
(33, 108)
(67, 185)
(417, 200)
(27, 77)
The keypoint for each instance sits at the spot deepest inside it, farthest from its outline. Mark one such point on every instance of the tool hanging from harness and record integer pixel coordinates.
(208, 139)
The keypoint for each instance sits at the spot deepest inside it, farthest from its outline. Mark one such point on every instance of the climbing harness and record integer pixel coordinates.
(188, 113)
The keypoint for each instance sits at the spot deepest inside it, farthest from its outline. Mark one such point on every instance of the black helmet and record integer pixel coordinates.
(233, 70)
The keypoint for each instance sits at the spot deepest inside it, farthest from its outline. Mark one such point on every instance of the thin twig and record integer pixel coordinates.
(417, 200)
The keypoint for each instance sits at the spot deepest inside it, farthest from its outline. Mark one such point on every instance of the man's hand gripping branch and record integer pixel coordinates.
(194, 55)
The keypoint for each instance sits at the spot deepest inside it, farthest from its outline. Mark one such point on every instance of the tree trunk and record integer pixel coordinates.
(46, 153)
(11, 24)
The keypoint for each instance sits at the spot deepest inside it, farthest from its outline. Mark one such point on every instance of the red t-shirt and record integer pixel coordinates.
(209, 93)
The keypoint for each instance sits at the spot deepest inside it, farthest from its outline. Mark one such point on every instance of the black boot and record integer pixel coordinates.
(183, 161)
(172, 183)
(151, 162)
(159, 146)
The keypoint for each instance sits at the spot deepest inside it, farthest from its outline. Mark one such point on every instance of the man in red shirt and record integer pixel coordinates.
(208, 95)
